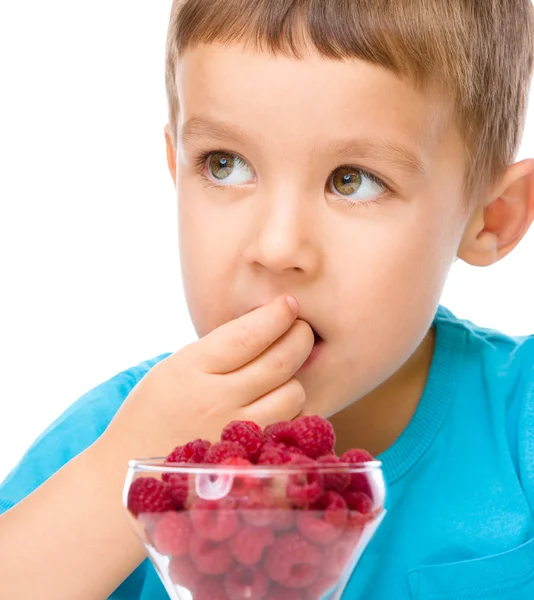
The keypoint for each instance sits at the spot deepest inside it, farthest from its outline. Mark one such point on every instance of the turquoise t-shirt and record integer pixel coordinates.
(460, 521)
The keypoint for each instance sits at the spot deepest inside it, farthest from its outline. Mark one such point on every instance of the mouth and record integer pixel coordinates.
(316, 337)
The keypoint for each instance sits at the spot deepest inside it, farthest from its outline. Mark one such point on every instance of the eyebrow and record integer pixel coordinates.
(198, 127)
(388, 151)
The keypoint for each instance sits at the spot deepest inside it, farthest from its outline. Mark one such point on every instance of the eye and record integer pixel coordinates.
(356, 185)
(228, 169)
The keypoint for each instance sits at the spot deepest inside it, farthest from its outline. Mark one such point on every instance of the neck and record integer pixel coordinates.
(377, 420)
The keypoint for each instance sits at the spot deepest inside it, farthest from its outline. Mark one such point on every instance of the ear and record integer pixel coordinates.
(171, 153)
(502, 219)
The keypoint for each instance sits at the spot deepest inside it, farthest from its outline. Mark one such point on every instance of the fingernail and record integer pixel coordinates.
(293, 304)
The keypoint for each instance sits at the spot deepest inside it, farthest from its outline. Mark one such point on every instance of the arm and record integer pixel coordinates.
(81, 547)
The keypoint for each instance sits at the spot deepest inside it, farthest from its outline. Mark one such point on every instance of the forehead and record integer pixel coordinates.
(302, 105)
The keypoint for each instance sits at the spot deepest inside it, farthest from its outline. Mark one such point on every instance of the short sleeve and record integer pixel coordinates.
(70, 434)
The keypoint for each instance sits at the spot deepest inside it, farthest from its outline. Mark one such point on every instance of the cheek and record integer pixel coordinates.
(204, 260)
(393, 292)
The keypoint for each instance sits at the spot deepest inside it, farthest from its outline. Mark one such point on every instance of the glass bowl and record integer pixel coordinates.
(260, 532)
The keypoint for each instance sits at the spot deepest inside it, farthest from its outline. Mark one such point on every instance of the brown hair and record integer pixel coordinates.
(478, 51)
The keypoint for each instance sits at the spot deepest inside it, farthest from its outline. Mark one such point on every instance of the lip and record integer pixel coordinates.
(316, 352)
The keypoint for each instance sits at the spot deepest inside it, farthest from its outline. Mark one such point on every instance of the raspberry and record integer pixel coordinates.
(336, 482)
(319, 587)
(195, 451)
(215, 520)
(210, 588)
(324, 523)
(358, 501)
(274, 454)
(338, 556)
(314, 435)
(175, 456)
(305, 487)
(192, 452)
(149, 522)
(210, 557)
(360, 509)
(334, 507)
(292, 561)
(257, 507)
(223, 450)
(249, 542)
(172, 534)
(358, 481)
(316, 530)
(246, 433)
(242, 483)
(179, 485)
(183, 572)
(356, 456)
(282, 593)
(282, 519)
(147, 494)
(280, 433)
(246, 582)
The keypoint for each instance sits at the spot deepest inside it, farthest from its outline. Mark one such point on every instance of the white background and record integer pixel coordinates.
(89, 264)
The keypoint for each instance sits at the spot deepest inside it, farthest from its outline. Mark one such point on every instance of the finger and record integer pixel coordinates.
(281, 404)
(236, 343)
(276, 365)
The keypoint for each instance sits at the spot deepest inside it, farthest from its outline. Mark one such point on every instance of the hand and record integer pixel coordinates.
(243, 370)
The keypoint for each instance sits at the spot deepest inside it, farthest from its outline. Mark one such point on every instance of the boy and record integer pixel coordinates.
(331, 158)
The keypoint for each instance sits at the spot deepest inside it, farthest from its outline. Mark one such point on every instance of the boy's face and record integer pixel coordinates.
(291, 201)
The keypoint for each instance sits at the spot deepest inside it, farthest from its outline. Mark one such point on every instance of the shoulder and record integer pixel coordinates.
(497, 375)
(501, 358)
(71, 433)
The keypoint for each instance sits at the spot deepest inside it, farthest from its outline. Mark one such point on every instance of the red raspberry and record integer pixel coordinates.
(358, 481)
(314, 435)
(215, 520)
(292, 561)
(175, 456)
(182, 571)
(274, 454)
(246, 582)
(334, 507)
(336, 482)
(338, 556)
(360, 509)
(192, 452)
(319, 587)
(211, 588)
(358, 501)
(179, 485)
(195, 451)
(283, 519)
(324, 523)
(280, 433)
(149, 522)
(356, 456)
(210, 557)
(282, 593)
(257, 507)
(242, 484)
(172, 534)
(223, 450)
(147, 494)
(249, 542)
(305, 487)
(313, 528)
(246, 433)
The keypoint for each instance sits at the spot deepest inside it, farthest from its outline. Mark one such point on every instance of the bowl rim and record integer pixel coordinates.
(159, 465)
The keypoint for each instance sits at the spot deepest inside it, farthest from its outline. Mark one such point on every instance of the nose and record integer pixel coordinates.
(285, 236)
